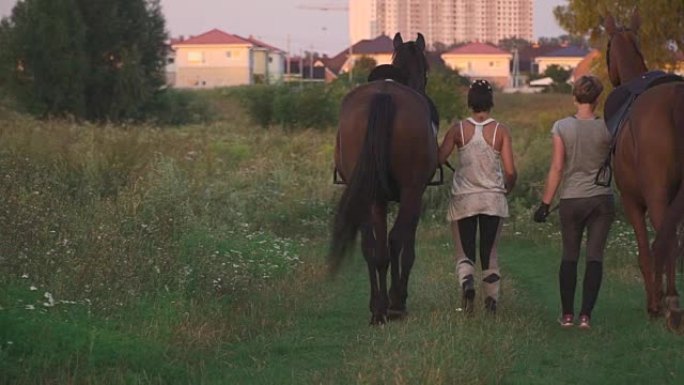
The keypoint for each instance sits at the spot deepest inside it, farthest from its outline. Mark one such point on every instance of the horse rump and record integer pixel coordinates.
(370, 181)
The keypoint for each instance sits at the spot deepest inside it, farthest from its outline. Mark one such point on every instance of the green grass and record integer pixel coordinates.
(308, 329)
(196, 256)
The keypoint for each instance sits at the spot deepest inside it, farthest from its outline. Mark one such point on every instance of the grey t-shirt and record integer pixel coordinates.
(587, 143)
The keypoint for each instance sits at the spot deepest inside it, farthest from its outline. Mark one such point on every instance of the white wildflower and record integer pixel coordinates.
(25, 275)
(30, 307)
(50, 300)
(33, 288)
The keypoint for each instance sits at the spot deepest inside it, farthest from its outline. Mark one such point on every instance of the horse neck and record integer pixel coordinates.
(631, 69)
(415, 83)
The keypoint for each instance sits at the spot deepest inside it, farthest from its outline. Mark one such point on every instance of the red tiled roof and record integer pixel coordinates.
(381, 44)
(335, 63)
(476, 49)
(260, 43)
(215, 36)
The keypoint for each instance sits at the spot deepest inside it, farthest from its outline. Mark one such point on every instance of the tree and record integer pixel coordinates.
(362, 68)
(662, 24)
(446, 88)
(513, 42)
(53, 69)
(44, 61)
(560, 77)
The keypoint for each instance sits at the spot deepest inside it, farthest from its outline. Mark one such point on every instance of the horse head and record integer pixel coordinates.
(409, 57)
(623, 56)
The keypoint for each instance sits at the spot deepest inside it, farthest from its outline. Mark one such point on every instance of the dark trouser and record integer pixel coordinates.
(596, 214)
(465, 235)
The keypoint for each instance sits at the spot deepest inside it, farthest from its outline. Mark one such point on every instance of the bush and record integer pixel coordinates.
(259, 102)
(445, 89)
(291, 105)
(177, 107)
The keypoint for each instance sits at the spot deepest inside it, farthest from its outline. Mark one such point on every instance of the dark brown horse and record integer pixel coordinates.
(649, 166)
(386, 150)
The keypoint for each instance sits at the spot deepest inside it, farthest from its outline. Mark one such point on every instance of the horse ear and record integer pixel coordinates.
(636, 21)
(420, 41)
(609, 24)
(398, 41)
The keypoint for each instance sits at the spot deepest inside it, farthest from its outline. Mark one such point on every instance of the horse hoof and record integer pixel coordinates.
(654, 313)
(378, 320)
(674, 321)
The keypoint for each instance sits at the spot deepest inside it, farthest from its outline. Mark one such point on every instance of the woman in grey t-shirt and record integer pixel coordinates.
(580, 145)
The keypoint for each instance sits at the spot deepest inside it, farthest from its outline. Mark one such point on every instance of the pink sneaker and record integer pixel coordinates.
(584, 322)
(566, 320)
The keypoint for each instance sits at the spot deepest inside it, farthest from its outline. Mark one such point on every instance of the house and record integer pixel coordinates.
(567, 57)
(528, 53)
(481, 61)
(218, 59)
(379, 49)
(307, 68)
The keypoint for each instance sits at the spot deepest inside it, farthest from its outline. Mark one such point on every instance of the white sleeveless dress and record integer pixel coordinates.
(478, 183)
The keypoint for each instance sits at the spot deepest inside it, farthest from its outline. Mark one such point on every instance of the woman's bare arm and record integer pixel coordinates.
(555, 171)
(510, 173)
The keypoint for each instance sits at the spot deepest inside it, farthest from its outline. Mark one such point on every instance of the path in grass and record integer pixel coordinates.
(328, 340)
(307, 329)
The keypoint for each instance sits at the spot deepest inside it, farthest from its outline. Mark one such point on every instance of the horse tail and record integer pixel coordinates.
(675, 211)
(369, 182)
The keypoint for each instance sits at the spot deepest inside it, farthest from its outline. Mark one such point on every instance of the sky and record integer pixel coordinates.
(273, 21)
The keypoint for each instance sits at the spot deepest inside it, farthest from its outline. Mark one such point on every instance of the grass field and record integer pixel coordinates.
(196, 256)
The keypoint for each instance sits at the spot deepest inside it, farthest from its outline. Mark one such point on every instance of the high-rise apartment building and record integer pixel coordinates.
(443, 21)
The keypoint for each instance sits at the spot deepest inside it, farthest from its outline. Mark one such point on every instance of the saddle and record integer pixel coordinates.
(620, 101)
(617, 108)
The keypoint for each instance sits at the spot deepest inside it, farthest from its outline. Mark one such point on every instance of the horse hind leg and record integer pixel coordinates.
(402, 240)
(636, 214)
(374, 247)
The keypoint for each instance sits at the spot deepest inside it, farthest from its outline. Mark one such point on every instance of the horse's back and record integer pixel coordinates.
(413, 141)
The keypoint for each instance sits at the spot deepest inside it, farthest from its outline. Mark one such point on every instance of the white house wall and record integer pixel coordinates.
(212, 66)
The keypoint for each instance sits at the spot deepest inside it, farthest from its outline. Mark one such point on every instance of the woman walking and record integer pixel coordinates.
(485, 174)
(580, 145)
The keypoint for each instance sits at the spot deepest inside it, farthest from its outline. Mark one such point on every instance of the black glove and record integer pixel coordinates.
(541, 213)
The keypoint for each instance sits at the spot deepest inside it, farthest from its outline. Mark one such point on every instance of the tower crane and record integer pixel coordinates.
(327, 8)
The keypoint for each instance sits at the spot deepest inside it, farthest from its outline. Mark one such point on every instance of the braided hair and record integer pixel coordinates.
(480, 96)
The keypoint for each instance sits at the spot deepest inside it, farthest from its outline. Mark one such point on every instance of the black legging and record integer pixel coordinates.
(489, 227)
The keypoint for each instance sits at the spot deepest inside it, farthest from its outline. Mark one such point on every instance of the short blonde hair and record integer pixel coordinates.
(587, 89)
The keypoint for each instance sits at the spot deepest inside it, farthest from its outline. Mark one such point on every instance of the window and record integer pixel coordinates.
(196, 57)
(229, 54)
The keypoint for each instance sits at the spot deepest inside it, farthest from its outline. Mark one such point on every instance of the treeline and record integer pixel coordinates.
(88, 60)
(306, 105)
